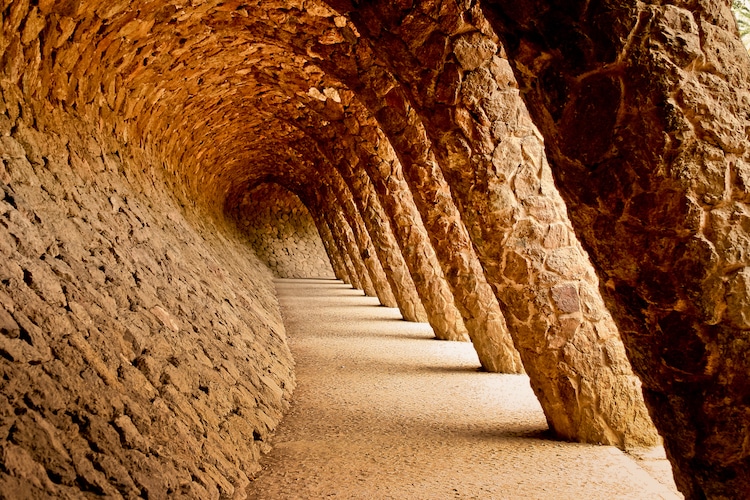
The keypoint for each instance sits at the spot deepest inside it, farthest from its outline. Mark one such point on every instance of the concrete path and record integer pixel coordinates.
(383, 411)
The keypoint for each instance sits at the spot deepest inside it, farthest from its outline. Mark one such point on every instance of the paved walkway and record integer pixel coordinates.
(383, 411)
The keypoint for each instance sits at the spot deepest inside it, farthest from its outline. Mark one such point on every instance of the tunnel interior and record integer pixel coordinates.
(282, 233)
(566, 189)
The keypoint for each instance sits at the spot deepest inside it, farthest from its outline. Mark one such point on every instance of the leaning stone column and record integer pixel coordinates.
(337, 136)
(332, 250)
(474, 297)
(345, 237)
(644, 109)
(362, 237)
(539, 271)
(396, 199)
(337, 242)
(334, 193)
(495, 166)
(379, 227)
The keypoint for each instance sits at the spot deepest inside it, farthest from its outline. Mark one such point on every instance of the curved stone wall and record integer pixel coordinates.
(142, 352)
(282, 233)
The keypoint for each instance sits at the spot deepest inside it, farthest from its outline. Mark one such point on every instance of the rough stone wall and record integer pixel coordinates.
(217, 94)
(142, 354)
(282, 233)
(644, 109)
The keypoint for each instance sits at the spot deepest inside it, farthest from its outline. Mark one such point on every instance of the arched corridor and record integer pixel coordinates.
(561, 186)
(382, 410)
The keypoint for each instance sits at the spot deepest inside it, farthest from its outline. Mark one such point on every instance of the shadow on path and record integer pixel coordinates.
(382, 411)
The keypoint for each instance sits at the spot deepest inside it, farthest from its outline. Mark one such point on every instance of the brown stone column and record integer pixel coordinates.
(343, 250)
(332, 250)
(382, 167)
(474, 297)
(333, 212)
(379, 227)
(362, 237)
(415, 247)
(344, 235)
(340, 145)
(496, 169)
(643, 106)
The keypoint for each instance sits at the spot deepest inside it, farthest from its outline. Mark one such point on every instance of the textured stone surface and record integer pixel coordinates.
(141, 354)
(344, 236)
(339, 440)
(385, 245)
(494, 162)
(644, 110)
(474, 299)
(334, 256)
(396, 197)
(282, 233)
(334, 241)
(362, 237)
(642, 106)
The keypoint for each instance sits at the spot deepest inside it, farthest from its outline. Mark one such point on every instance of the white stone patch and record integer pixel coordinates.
(316, 94)
(332, 93)
(340, 21)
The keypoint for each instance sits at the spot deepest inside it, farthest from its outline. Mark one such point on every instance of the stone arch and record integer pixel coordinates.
(343, 66)
(558, 390)
(163, 101)
(474, 296)
(338, 193)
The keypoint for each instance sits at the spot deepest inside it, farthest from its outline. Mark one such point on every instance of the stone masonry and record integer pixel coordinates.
(282, 233)
(565, 185)
(142, 354)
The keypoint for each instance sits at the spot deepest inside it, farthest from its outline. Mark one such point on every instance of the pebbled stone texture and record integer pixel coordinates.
(642, 107)
(142, 354)
(485, 148)
(282, 233)
(644, 111)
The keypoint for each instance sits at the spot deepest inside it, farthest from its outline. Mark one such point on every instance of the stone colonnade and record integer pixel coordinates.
(403, 128)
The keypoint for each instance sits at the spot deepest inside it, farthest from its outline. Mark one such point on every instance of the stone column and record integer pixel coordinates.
(540, 274)
(327, 181)
(334, 256)
(343, 234)
(342, 151)
(494, 161)
(416, 250)
(396, 199)
(318, 215)
(379, 227)
(643, 106)
(362, 237)
(474, 298)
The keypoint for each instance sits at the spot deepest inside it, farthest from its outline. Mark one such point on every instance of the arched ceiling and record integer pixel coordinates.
(223, 92)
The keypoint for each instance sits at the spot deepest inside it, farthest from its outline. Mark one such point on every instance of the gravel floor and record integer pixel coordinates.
(382, 410)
